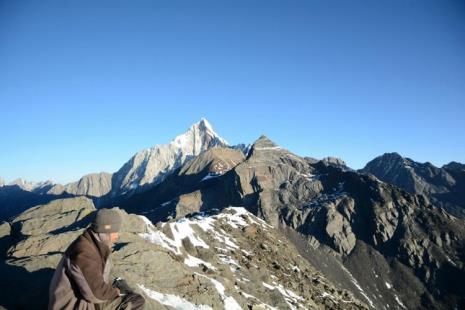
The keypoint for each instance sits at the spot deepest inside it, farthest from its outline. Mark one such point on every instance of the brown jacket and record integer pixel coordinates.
(81, 277)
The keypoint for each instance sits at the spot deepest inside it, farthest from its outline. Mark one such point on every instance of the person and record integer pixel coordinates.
(81, 279)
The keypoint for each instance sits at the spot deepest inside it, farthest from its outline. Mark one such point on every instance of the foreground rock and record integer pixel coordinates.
(225, 260)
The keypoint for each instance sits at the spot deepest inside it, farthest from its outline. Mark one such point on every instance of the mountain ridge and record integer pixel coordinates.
(444, 185)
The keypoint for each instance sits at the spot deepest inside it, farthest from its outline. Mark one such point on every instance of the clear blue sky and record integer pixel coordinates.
(86, 84)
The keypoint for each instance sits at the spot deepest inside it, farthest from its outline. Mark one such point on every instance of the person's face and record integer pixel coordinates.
(114, 237)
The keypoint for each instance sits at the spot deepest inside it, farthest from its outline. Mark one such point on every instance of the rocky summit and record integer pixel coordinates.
(212, 226)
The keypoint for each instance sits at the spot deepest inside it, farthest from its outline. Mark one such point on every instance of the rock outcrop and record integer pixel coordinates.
(225, 260)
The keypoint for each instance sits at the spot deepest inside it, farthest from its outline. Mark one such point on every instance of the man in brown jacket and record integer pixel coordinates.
(81, 279)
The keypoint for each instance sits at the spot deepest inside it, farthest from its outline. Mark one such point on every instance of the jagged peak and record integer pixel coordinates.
(264, 142)
(202, 127)
(388, 157)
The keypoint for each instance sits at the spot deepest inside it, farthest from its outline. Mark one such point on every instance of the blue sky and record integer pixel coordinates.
(86, 84)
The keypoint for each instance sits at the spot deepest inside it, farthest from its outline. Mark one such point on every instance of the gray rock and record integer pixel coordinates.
(220, 261)
(53, 216)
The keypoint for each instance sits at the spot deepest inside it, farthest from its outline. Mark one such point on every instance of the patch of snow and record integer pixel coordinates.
(325, 294)
(311, 177)
(388, 285)
(229, 302)
(399, 302)
(247, 253)
(180, 229)
(210, 176)
(193, 261)
(159, 238)
(207, 225)
(229, 261)
(354, 281)
(271, 287)
(248, 295)
(450, 261)
(172, 300)
(240, 212)
(261, 305)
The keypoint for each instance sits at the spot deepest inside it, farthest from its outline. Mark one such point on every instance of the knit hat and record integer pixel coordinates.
(106, 221)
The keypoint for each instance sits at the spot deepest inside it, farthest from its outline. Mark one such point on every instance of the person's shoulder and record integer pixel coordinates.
(80, 246)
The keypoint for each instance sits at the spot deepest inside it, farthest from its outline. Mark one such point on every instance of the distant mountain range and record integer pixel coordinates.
(146, 168)
(391, 233)
(445, 186)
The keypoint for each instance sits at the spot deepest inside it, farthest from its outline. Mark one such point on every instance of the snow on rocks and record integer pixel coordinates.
(232, 249)
(180, 229)
(399, 302)
(172, 300)
(229, 302)
(193, 261)
(290, 297)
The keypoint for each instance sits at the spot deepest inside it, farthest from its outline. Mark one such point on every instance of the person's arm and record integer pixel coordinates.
(90, 267)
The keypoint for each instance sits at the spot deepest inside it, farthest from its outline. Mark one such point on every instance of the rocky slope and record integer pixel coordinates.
(151, 166)
(188, 188)
(391, 248)
(222, 260)
(445, 186)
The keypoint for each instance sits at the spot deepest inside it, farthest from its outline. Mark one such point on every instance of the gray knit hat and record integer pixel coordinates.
(106, 221)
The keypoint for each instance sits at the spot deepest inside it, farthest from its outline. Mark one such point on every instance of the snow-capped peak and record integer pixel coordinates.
(197, 133)
(152, 165)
